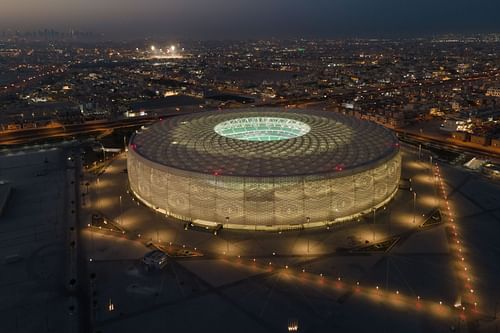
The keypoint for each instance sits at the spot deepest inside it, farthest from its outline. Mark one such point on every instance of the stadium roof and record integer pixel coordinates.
(266, 142)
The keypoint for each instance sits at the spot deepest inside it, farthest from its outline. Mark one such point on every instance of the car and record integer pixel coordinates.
(155, 260)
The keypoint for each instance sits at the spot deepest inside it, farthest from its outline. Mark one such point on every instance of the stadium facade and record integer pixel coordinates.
(263, 168)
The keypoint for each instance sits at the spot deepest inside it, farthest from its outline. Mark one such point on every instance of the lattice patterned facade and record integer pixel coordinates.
(263, 202)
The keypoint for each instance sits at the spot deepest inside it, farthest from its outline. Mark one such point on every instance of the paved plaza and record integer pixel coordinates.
(322, 280)
(262, 281)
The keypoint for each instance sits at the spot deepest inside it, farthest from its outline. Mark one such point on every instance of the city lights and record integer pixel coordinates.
(152, 180)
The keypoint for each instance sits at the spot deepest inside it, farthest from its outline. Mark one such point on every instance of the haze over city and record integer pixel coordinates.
(222, 19)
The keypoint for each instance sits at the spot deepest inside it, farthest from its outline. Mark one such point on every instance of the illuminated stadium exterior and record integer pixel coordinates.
(264, 169)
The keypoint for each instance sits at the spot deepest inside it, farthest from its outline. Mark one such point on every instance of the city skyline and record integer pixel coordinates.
(223, 19)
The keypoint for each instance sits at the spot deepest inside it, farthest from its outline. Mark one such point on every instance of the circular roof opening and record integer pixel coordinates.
(262, 128)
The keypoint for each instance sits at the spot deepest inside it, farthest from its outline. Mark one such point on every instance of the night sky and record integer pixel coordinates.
(219, 19)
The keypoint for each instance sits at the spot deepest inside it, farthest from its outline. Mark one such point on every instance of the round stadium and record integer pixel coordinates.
(264, 168)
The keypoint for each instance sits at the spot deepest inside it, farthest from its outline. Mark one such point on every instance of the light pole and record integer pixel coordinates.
(373, 226)
(97, 193)
(111, 306)
(414, 204)
(308, 219)
(121, 211)
(227, 239)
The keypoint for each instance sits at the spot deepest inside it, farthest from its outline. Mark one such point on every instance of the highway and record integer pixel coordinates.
(443, 144)
(27, 136)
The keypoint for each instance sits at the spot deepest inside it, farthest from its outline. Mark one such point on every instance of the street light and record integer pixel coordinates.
(121, 211)
(308, 219)
(227, 239)
(111, 306)
(293, 326)
(373, 226)
(97, 193)
(414, 204)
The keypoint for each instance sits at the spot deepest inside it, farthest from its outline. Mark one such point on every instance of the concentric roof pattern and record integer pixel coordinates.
(334, 144)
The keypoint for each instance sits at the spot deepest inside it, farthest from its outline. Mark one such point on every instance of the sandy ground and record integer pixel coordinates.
(32, 289)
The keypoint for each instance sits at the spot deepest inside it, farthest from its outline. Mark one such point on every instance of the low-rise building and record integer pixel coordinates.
(480, 139)
(495, 142)
(493, 92)
(462, 136)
